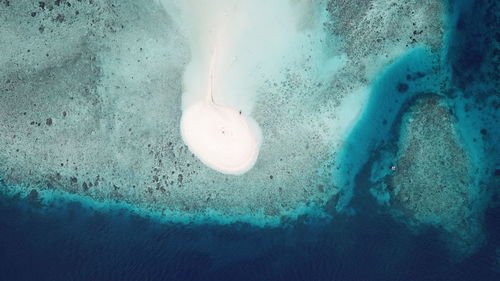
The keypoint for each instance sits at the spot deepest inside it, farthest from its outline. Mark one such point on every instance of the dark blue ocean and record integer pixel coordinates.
(74, 242)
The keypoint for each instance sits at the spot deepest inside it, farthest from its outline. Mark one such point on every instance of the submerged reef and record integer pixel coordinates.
(438, 164)
(90, 103)
(91, 99)
(432, 178)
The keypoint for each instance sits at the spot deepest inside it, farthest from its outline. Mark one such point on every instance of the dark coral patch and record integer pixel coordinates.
(402, 87)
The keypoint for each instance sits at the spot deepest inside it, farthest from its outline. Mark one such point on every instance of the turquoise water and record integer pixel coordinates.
(391, 94)
(365, 236)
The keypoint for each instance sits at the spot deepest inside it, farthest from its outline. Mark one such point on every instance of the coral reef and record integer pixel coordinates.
(432, 178)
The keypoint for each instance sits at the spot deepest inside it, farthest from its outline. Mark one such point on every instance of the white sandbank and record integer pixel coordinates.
(221, 137)
(235, 46)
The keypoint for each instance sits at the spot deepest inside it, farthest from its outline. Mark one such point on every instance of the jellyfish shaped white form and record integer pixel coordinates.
(221, 137)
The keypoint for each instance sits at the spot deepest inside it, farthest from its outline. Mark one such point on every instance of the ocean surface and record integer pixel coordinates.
(71, 241)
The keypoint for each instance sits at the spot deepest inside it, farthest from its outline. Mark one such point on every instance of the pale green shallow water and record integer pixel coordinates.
(95, 106)
(90, 105)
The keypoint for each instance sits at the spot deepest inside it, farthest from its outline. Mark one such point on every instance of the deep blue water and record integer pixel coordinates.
(75, 243)
(72, 242)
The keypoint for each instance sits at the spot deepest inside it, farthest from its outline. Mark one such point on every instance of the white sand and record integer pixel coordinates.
(221, 137)
(236, 46)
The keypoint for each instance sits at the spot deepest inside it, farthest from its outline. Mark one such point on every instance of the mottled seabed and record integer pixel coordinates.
(92, 107)
(90, 103)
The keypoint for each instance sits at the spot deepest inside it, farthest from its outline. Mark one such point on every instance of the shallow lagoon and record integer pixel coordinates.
(63, 236)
